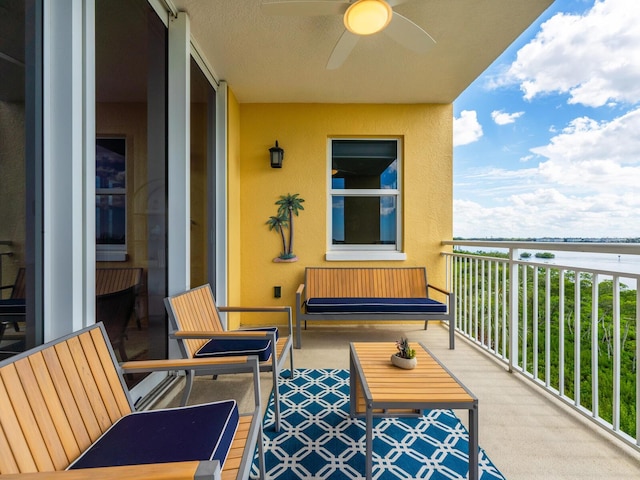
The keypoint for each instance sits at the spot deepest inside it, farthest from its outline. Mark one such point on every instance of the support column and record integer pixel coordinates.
(179, 164)
(68, 166)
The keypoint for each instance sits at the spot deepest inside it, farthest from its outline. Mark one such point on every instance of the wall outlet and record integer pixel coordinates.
(277, 291)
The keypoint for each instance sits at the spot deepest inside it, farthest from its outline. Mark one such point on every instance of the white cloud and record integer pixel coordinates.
(466, 128)
(585, 180)
(503, 118)
(594, 58)
(586, 185)
(595, 156)
(548, 212)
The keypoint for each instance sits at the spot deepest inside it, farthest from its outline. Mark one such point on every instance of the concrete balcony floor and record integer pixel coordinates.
(525, 432)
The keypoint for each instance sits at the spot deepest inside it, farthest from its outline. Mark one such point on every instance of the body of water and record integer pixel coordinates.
(596, 261)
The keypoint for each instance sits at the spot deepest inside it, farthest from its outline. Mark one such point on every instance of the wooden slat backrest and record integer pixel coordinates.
(56, 401)
(109, 280)
(409, 282)
(195, 311)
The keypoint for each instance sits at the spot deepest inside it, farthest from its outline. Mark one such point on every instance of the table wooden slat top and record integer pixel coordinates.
(385, 383)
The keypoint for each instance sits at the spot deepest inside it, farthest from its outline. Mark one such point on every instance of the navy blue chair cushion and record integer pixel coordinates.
(261, 329)
(198, 432)
(15, 306)
(239, 346)
(375, 305)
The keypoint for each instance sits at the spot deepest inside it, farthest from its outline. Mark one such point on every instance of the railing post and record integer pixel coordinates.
(616, 353)
(513, 308)
(636, 365)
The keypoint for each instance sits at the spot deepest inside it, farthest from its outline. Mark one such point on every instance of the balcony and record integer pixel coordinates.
(533, 424)
(525, 431)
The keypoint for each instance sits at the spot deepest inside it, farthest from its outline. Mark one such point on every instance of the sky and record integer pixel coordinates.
(547, 139)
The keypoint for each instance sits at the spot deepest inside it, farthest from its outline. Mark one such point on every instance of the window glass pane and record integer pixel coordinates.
(364, 164)
(202, 174)
(364, 220)
(111, 219)
(110, 162)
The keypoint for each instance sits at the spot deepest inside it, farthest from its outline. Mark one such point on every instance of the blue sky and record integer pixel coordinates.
(547, 140)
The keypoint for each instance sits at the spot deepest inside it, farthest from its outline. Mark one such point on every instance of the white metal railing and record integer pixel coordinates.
(572, 330)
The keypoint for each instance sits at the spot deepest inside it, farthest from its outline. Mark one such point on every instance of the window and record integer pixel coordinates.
(364, 200)
(111, 199)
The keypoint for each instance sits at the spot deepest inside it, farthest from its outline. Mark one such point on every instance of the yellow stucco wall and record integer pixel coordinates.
(302, 131)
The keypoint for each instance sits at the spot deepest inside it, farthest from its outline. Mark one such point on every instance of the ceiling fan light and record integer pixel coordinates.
(366, 17)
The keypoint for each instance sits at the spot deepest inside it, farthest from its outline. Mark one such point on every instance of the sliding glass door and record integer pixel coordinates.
(131, 183)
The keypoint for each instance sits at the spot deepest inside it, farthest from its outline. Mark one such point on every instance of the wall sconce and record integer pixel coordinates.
(276, 154)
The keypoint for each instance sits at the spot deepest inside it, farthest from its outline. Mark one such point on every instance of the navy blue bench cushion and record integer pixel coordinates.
(375, 305)
(198, 432)
(239, 346)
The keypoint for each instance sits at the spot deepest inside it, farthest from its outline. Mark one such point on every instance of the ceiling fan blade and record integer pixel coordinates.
(342, 50)
(408, 34)
(305, 7)
(393, 3)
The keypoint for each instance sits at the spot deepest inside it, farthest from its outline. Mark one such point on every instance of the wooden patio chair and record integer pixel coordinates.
(114, 310)
(65, 412)
(195, 319)
(12, 314)
(12, 310)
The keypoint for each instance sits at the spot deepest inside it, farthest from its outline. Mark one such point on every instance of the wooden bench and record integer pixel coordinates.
(64, 408)
(371, 294)
(196, 324)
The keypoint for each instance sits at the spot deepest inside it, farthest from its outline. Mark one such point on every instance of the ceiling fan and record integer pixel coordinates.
(361, 17)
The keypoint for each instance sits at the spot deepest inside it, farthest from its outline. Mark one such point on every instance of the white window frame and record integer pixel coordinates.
(364, 252)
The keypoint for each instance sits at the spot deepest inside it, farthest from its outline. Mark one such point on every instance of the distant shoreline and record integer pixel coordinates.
(553, 239)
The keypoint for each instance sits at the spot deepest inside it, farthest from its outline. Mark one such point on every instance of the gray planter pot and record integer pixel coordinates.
(406, 363)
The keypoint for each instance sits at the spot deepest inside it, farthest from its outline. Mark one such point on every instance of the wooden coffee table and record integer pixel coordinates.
(377, 388)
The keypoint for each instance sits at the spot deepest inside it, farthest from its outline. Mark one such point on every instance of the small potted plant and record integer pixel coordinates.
(405, 357)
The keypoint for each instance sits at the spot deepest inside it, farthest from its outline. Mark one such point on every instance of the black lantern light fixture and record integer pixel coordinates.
(276, 154)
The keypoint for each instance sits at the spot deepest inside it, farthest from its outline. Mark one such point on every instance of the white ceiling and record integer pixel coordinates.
(281, 59)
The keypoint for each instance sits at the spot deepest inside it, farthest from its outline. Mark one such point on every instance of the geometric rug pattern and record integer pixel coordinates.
(319, 440)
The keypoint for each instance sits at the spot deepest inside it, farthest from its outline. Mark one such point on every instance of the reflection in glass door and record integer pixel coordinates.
(20, 132)
(202, 172)
(131, 163)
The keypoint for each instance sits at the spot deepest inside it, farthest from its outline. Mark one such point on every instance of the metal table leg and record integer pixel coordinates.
(473, 442)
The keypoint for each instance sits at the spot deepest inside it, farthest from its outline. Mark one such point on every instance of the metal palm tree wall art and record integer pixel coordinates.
(288, 206)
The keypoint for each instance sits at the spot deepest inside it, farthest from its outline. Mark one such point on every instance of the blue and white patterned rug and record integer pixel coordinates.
(319, 440)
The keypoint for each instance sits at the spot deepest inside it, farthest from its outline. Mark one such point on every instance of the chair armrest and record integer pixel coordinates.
(300, 298)
(182, 335)
(210, 365)
(195, 364)
(155, 471)
(274, 309)
(441, 290)
(261, 309)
